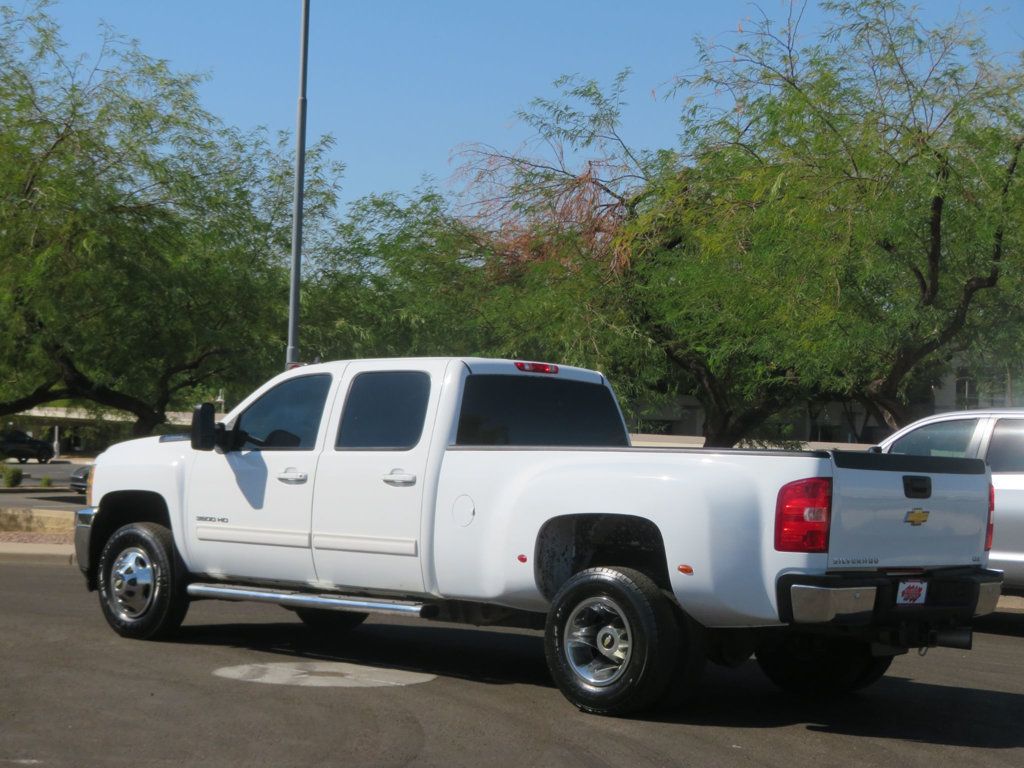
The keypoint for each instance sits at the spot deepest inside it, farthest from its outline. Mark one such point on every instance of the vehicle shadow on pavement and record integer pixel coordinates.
(472, 654)
(1002, 623)
(894, 708)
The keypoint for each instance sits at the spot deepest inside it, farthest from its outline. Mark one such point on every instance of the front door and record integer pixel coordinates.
(1006, 457)
(370, 480)
(249, 509)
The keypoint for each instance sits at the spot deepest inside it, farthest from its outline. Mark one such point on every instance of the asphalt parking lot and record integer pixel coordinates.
(29, 495)
(249, 685)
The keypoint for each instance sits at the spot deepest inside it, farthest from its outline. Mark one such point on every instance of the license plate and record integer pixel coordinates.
(912, 593)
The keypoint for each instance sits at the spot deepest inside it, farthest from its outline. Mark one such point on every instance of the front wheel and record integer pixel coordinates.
(812, 665)
(142, 582)
(611, 641)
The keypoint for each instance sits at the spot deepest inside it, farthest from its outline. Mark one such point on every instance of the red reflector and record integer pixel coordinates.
(521, 558)
(802, 515)
(991, 530)
(537, 367)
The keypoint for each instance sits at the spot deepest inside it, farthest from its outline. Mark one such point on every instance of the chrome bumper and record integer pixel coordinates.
(988, 598)
(955, 595)
(816, 605)
(83, 533)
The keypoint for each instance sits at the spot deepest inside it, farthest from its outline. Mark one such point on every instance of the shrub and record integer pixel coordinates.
(12, 477)
(45, 482)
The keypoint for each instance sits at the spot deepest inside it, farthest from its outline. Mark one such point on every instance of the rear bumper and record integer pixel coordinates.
(955, 596)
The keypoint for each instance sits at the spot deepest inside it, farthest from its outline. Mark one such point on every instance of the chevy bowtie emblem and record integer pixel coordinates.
(916, 517)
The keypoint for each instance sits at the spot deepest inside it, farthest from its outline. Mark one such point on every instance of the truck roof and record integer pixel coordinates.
(479, 365)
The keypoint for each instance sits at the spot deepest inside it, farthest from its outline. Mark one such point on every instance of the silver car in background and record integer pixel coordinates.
(997, 436)
(79, 479)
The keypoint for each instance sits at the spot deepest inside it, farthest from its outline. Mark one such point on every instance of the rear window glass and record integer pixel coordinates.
(1006, 452)
(535, 411)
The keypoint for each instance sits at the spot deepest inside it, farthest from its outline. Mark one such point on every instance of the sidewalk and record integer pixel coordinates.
(62, 554)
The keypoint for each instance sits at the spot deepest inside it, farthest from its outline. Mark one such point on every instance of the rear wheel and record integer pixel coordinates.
(611, 641)
(813, 665)
(330, 622)
(141, 582)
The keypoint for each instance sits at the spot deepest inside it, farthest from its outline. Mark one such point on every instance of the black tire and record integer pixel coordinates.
(23, 459)
(141, 582)
(812, 665)
(624, 611)
(43, 459)
(330, 622)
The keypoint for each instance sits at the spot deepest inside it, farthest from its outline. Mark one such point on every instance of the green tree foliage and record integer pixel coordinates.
(396, 276)
(407, 276)
(859, 194)
(141, 242)
(841, 218)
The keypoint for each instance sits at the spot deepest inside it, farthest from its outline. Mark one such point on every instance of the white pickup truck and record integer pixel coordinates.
(507, 493)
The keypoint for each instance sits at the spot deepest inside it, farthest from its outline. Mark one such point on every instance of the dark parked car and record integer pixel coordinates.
(80, 478)
(17, 445)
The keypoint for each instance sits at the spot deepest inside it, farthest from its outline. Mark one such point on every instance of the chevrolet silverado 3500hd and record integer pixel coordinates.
(507, 493)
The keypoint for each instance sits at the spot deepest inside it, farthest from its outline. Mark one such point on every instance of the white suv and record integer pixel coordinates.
(997, 436)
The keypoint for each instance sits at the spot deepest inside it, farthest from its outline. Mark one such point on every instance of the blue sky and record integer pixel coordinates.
(402, 84)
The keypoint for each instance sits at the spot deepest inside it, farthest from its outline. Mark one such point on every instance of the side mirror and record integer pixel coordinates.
(204, 430)
(875, 449)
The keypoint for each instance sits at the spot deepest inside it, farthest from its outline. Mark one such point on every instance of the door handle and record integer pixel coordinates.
(292, 477)
(399, 479)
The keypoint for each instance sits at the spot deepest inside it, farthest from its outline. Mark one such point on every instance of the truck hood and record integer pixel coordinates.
(146, 450)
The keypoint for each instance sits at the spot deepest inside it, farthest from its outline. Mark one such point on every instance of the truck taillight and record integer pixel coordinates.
(990, 532)
(802, 515)
(537, 367)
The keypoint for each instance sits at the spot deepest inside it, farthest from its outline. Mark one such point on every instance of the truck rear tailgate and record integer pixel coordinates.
(897, 511)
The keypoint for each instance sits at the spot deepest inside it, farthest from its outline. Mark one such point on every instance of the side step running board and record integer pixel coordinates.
(306, 600)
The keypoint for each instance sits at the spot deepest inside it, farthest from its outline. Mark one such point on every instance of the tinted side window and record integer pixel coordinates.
(534, 411)
(945, 438)
(385, 410)
(1006, 451)
(287, 418)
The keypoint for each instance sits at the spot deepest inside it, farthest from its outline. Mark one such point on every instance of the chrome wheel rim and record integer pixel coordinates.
(597, 641)
(133, 583)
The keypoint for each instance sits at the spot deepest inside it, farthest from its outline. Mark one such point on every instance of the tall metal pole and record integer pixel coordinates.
(292, 355)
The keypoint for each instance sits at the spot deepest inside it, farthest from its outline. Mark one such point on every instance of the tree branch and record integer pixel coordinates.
(44, 393)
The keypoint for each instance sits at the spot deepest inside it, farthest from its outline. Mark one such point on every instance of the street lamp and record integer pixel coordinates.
(292, 355)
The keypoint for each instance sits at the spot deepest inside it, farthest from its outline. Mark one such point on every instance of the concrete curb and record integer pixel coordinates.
(37, 489)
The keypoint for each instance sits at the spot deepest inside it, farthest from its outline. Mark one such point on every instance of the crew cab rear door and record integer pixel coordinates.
(371, 477)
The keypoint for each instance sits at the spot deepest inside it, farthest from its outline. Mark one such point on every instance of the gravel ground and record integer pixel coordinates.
(29, 537)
